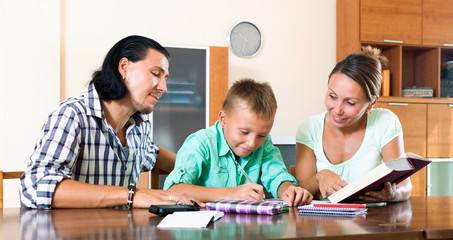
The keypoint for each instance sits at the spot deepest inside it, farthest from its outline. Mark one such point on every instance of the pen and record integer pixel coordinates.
(243, 172)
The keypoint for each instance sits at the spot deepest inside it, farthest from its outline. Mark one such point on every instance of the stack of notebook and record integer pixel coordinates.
(335, 209)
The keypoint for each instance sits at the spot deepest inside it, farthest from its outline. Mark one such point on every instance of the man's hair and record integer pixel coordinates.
(107, 80)
(255, 96)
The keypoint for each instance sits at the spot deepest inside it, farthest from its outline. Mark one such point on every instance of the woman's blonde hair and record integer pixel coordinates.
(365, 68)
(255, 96)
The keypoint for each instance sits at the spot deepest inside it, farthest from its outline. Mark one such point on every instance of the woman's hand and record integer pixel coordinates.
(329, 182)
(387, 194)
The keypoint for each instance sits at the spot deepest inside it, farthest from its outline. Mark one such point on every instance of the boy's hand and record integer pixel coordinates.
(295, 196)
(248, 191)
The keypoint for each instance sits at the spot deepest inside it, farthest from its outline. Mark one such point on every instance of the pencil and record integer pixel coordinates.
(243, 172)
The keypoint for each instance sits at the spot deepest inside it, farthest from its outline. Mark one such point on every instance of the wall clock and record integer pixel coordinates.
(245, 39)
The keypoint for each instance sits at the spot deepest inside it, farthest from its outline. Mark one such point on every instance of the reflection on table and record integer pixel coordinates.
(414, 219)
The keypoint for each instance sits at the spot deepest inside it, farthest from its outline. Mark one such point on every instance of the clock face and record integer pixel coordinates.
(245, 39)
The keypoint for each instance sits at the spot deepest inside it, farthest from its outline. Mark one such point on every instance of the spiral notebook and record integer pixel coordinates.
(333, 209)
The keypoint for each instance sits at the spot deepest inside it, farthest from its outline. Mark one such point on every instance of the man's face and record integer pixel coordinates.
(244, 130)
(145, 80)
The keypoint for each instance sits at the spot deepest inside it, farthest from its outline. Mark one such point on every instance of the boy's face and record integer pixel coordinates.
(244, 131)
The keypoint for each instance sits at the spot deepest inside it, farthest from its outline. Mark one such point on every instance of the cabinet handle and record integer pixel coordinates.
(448, 44)
(450, 105)
(393, 41)
(397, 104)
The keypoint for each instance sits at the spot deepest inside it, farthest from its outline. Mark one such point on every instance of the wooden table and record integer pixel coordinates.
(418, 218)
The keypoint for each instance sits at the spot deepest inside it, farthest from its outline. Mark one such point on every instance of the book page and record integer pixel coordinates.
(399, 164)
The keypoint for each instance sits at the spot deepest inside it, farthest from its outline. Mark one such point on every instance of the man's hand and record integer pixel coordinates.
(146, 197)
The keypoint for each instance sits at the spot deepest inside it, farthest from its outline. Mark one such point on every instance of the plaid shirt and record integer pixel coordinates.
(76, 142)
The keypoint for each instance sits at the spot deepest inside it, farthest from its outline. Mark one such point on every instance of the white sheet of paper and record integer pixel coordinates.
(195, 219)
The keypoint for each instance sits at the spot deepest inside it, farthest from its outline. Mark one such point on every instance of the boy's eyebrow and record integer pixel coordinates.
(263, 133)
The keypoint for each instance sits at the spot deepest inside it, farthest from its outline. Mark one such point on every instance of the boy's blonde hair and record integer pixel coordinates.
(257, 97)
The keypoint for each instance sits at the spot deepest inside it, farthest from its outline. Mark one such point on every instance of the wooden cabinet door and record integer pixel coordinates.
(437, 22)
(440, 130)
(396, 20)
(413, 120)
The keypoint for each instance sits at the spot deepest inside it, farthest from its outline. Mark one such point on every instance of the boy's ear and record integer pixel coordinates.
(222, 116)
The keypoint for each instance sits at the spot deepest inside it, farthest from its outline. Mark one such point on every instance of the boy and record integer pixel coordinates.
(226, 160)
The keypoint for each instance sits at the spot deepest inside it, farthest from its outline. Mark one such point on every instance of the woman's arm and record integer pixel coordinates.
(391, 192)
(306, 169)
(322, 183)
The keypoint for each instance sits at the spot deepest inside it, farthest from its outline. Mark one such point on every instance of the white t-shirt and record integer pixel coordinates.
(382, 127)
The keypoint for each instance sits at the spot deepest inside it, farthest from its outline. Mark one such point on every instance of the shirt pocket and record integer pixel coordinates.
(221, 178)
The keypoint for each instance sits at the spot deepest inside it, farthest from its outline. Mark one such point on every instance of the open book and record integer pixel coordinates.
(393, 171)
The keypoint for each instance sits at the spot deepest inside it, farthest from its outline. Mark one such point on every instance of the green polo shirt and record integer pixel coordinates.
(205, 159)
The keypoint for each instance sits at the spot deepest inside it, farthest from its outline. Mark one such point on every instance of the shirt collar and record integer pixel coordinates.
(138, 117)
(93, 102)
(223, 147)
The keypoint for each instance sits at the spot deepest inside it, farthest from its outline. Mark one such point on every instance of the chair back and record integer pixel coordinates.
(7, 175)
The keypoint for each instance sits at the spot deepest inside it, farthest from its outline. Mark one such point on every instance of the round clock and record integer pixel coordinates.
(245, 39)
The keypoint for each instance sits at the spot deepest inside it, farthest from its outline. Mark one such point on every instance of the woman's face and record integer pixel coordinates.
(345, 101)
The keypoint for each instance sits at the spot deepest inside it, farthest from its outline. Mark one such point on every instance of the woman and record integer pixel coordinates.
(350, 138)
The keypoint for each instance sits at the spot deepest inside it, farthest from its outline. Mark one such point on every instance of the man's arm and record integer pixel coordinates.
(165, 160)
(73, 194)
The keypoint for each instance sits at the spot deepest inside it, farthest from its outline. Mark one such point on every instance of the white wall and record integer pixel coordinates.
(29, 73)
(298, 54)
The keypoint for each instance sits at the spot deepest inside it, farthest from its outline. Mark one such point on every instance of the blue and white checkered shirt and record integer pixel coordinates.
(76, 142)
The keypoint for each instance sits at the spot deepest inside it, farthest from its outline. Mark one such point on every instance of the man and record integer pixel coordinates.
(93, 147)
